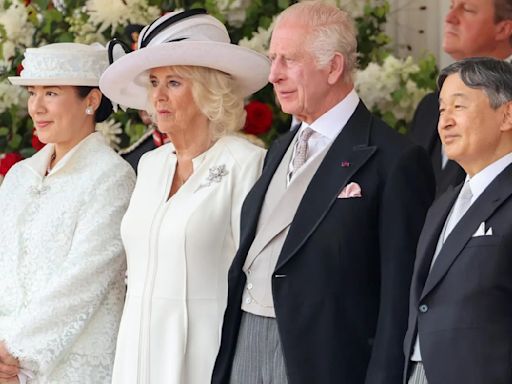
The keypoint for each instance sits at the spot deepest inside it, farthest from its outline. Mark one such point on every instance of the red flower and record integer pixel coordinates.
(27, 2)
(259, 118)
(36, 143)
(7, 160)
(19, 68)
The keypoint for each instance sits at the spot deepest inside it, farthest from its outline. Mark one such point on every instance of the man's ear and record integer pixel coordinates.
(503, 30)
(336, 68)
(507, 117)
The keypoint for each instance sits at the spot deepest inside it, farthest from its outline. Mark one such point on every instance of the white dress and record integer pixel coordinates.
(179, 252)
(62, 262)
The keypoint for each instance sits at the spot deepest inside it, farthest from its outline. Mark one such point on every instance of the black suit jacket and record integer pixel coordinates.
(424, 132)
(342, 305)
(465, 325)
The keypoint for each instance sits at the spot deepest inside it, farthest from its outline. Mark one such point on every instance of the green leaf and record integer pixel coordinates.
(42, 4)
(66, 37)
(27, 152)
(15, 141)
(283, 4)
(4, 131)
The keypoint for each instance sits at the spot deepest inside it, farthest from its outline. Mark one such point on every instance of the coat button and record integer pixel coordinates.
(423, 308)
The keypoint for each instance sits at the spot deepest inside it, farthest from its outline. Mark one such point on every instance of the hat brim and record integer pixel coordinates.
(126, 83)
(18, 80)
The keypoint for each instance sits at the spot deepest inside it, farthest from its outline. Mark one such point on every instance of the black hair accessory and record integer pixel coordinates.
(110, 48)
(147, 37)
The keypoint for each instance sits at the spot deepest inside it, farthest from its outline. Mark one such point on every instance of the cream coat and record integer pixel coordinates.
(179, 252)
(62, 262)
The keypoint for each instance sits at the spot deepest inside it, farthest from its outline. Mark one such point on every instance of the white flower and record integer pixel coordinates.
(110, 130)
(259, 40)
(18, 29)
(60, 5)
(84, 32)
(234, 10)
(114, 13)
(11, 95)
(377, 84)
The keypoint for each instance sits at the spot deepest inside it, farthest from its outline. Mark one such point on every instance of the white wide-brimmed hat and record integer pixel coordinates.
(63, 64)
(182, 38)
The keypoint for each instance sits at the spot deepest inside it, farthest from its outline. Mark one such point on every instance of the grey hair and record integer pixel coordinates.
(333, 30)
(493, 76)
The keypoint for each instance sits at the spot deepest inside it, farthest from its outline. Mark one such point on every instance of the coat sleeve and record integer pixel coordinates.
(407, 195)
(52, 321)
(248, 173)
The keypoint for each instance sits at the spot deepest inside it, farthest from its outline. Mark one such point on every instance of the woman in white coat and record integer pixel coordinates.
(181, 229)
(61, 256)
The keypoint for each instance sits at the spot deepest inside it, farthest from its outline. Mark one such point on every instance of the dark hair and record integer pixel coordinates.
(105, 108)
(493, 76)
(503, 11)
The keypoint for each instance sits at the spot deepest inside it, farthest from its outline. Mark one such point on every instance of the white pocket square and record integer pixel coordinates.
(351, 190)
(481, 230)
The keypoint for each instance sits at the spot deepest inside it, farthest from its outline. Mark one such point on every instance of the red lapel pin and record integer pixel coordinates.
(345, 164)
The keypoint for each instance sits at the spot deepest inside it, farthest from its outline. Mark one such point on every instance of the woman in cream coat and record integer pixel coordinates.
(61, 257)
(181, 229)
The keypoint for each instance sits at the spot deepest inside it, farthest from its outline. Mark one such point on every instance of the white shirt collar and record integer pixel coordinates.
(40, 160)
(332, 122)
(482, 179)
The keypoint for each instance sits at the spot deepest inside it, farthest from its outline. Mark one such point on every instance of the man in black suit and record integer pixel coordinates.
(472, 28)
(460, 322)
(318, 290)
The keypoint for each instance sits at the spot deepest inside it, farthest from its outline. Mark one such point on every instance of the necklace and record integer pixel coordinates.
(49, 168)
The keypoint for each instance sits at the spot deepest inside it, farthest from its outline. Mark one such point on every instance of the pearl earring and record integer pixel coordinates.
(89, 110)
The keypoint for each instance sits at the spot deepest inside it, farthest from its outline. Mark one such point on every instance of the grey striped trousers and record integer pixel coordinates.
(258, 357)
(417, 375)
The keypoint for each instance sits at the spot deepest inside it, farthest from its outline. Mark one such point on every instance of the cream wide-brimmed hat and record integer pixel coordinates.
(182, 38)
(63, 64)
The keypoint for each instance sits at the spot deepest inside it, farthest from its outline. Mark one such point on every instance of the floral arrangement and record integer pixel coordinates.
(391, 87)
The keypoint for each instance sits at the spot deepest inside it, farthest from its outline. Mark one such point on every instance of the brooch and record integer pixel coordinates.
(38, 190)
(215, 175)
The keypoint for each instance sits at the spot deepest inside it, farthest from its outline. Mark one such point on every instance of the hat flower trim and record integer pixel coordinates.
(42, 66)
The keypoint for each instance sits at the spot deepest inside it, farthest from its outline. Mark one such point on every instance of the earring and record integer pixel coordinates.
(89, 110)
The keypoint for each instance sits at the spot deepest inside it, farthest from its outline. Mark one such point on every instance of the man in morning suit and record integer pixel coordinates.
(460, 322)
(472, 28)
(318, 290)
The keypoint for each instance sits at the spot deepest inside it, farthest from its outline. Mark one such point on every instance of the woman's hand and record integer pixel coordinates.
(9, 366)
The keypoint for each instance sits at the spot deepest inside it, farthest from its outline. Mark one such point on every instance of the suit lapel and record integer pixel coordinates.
(350, 147)
(254, 200)
(493, 196)
(429, 237)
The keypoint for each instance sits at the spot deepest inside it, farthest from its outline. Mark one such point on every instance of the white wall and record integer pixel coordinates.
(416, 27)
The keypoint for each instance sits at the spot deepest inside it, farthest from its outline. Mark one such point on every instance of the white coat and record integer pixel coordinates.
(62, 262)
(179, 251)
